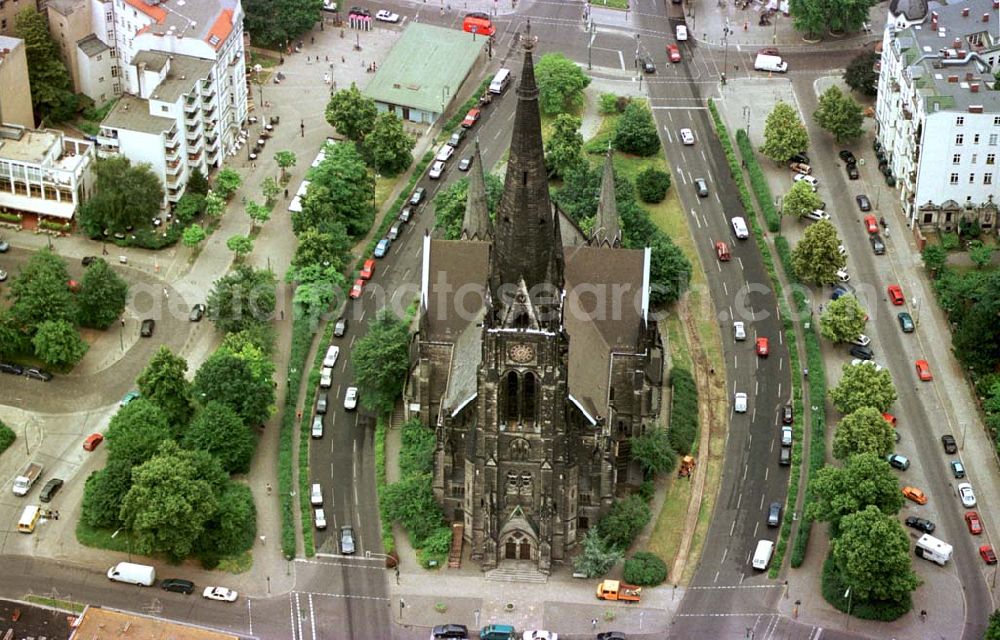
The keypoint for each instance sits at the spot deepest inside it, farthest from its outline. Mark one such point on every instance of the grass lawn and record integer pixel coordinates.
(64, 605)
(611, 4)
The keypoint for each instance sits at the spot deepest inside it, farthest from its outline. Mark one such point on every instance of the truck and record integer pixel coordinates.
(131, 573)
(615, 590)
(28, 477)
(933, 549)
(764, 62)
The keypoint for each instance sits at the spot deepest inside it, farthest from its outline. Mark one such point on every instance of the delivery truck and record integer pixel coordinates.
(132, 573)
(764, 62)
(615, 590)
(28, 477)
(933, 549)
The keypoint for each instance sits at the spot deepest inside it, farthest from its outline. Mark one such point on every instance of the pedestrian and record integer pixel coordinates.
(282, 314)
(342, 60)
(923, 615)
(805, 373)
(253, 165)
(286, 193)
(166, 294)
(593, 624)
(397, 574)
(263, 540)
(327, 59)
(312, 39)
(268, 488)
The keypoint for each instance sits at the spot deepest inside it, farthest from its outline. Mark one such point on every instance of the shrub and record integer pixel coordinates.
(647, 490)
(635, 131)
(950, 241)
(597, 557)
(645, 569)
(609, 104)
(684, 411)
(7, 437)
(758, 181)
(624, 521)
(651, 184)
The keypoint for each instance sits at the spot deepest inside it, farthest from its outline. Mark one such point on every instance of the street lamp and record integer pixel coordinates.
(590, 45)
(725, 56)
(849, 596)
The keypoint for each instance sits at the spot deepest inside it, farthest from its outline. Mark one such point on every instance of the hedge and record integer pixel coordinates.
(645, 569)
(302, 334)
(759, 183)
(833, 589)
(683, 430)
(7, 437)
(400, 202)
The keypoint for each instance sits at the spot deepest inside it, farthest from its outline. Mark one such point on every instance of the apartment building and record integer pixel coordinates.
(9, 10)
(15, 89)
(43, 173)
(938, 110)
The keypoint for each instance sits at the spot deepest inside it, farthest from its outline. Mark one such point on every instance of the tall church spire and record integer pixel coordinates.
(476, 225)
(607, 228)
(525, 238)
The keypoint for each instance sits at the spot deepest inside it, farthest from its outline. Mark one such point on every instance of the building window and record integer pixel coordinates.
(993, 139)
(959, 121)
(987, 178)
(953, 179)
(928, 218)
(975, 139)
(959, 139)
(991, 158)
(972, 178)
(164, 108)
(996, 121)
(956, 158)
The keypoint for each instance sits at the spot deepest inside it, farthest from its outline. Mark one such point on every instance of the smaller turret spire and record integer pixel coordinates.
(607, 228)
(476, 225)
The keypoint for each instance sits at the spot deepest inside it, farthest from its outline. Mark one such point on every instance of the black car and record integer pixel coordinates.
(50, 489)
(852, 172)
(89, 260)
(864, 353)
(148, 325)
(774, 514)
(450, 631)
(197, 313)
(648, 66)
(785, 457)
(847, 156)
(406, 214)
(340, 328)
(9, 367)
(614, 635)
(177, 585)
(920, 524)
(863, 202)
(786, 414)
(905, 321)
(38, 374)
(799, 157)
(877, 245)
(418, 196)
(949, 443)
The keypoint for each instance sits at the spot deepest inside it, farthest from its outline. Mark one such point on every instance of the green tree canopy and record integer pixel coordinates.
(980, 254)
(560, 83)
(103, 493)
(233, 527)
(390, 146)
(163, 382)
(57, 343)
(866, 479)
(322, 248)
(285, 159)
(278, 23)
(800, 200)
(197, 183)
(215, 204)
(242, 298)
(52, 94)
(652, 184)
(124, 195)
(863, 431)
(564, 148)
(136, 432)
(635, 131)
(816, 258)
(255, 346)
(873, 557)
(231, 380)
(218, 430)
(975, 308)
(449, 204)
(240, 245)
(843, 320)
(258, 213)
(597, 558)
(993, 628)
(863, 385)
(40, 293)
(189, 206)
(227, 182)
(351, 113)
(652, 451)
(416, 455)
(102, 296)
(784, 134)
(860, 74)
(814, 17)
(193, 236)
(840, 115)
(269, 189)
(381, 359)
(343, 192)
(624, 521)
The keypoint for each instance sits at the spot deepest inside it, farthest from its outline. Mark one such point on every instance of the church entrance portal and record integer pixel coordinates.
(517, 547)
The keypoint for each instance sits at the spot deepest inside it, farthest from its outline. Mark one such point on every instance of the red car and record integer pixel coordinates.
(986, 552)
(974, 523)
(924, 371)
(471, 118)
(674, 52)
(762, 347)
(722, 251)
(891, 419)
(896, 295)
(368, 269)
(871, 224)
(357, 289)
(92, 441)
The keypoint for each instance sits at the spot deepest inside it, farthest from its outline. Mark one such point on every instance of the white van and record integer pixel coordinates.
(740, 228)
(765, 62)
(500, 81)
(681, 32)
(762, 556)
(140, 574)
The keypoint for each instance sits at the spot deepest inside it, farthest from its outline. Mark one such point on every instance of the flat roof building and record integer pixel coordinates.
(43, 172)
(15, 89)
(107, 624)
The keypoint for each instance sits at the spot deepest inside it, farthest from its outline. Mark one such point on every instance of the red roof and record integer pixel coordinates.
(221, 29)
(156, 13)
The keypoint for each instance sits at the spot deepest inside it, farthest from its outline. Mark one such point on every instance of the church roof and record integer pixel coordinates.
(607, 228)
(455, 268)
(465, 358)
(476, 225)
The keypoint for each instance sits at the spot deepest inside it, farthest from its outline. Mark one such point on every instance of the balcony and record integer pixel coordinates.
(191, 105)
(907, 114)
(194, 157)
(172, 180)
(174, 167)
(194, 132)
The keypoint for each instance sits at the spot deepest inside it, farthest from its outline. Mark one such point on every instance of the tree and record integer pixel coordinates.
(390, 146)
(227, 182)
(242, 298)
(124, 195)
(215, 204)
(624, 521)
(411, 502)
(597, 557)
(843, 319)
(873, 557)
(315, 292)
(12, 339)
(218, 430)
(645, 569)
(784, 133)
(980, 254)
(193, 236)
(258, 213)
(188, 207)
(163, 382)
(652, 184)
(230, 380)
(840, 115)
(564, 149)
(449, 204)
(169, 503)
(255, 347)
(993, 628)
(381, 359)
(57, 343)
(416, 455)
(197, 183)
(800, 200)
(863, 431)
(136, 432)
(560, 83)
(670, 270)
(935, 257)
(848, 15)
(866, 479)
(233, 528)
(52, 95)
(285, 159)
(976, 341)
(278, 23)
(341, 189)
(321, 248)
(860, 74)
(240, 245)
(102, 296)
(653, 452)
(351, 113)
(863, 385)
(635, 131)
(103, 493)
(581, 190)
(816, 258)
(270, 190)
(40, 293)
(808, 16)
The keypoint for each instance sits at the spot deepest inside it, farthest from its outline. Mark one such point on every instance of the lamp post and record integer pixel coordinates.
(639, 71)
(725, 56)
(590, 45)
(849, 596)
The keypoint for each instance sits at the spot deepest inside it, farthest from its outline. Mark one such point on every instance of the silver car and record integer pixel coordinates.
(347, 540)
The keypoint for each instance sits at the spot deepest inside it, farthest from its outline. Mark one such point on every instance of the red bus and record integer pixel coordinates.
(478, 23)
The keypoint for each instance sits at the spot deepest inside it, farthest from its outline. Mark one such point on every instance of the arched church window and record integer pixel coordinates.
(530, 403)
(512, 482)
(509, 401)
(526, 483)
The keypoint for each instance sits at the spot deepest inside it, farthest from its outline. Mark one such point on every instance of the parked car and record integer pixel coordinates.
(405, 215)
(905, 321)
(11, 368)
(221, 594)
(787, 414)
(966, 495)
(381, 248)
(456, 137)
(896, 294)
(325, 378)
(92, 441)
(347, 540)
(740, 228)
(147, 328)
(340, 327)
(3, 275)
(471, 118)
(852, 172)
(367, 270)
(920, 524)
(810, 180)
(924, 371)
(973, 522)
(37, 374)
(316, 495)
(863, 202)
(358, 289)
(449, 631)
(674, 53)
(351, 398)
(798, 157)
(986, 553)
(878, 247)
(774, 514)
(948, 441)
(418, 195)
(863, 353)
(465, 163)
(320, 517)
(177, 585)
(50, 489)
(897, 461)
(800, 167)
(681, 32)
(847, 156)
(445, 152)
(317, 427)
(4, 246)
(915, 494)
(862, 340)
(384, 15)
(322, 402)
(817, 215)
(842, 275)
(957, 469)
(332, 354)
(197, 312)
(871, 224)
(436, 170)
(128, 398)
(786, 436)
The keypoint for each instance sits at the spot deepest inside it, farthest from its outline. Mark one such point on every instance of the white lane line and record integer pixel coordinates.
(353, 339)
(725, 552)
(717, 198)
(779, 389)
(766, 471)
(621, 59)
(250, 614)
(298, 615)
(716, 577)
(739, 501)
(703, 156)
(670, 137)
(756, 527)
(312, 616)
(725, 288)
(362, 315)
(753, 414)
(680, 172)
(740, 260)
(761, 506)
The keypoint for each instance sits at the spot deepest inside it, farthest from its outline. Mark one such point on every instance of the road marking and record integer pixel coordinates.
(739, 501)
(749, 586)
(725, 287)
(779, 389)
(716, 576)
(760, 507)
(725, 552)
(353, 338)
(297, 616)
(756, 527)
(250, 615)
(380, 560)
(717, 198)
(680, 172)
(703, 157)
(681, 108)
(349, 596)
(312, 616)
(746, 468)
(766, 471)
(362, 315)
(740, 260)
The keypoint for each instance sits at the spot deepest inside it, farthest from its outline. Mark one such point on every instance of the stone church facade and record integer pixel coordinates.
(536, 359)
